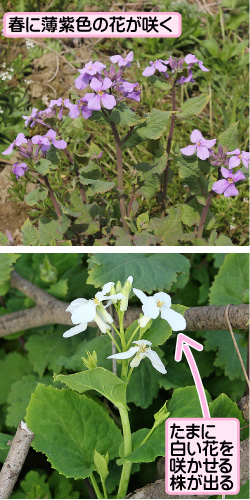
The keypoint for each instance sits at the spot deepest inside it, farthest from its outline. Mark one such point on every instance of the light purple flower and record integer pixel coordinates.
(20, 139)
(238, 157)
(90, 69)
(45, 141)
(158, 64)
(227, 185)
(186, 79)
(19, 169)
(80, 107)
(101, 96)
(61, 103)
(200, 144)
(191, 59)
(34, 114)
(123, 62)
(131, 90)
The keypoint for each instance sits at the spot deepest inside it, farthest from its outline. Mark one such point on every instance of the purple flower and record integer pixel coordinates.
(200, 144)
(80, 107)
(90, 69)
(100, 97)
(220, 158)
(20, 139)
(186, 79)
(227, 185)
(150, 70)
(34, 113)
(238, 157)
(123, 62)
(19, 169)
(45, 141)
(131, 90)
(191, 59)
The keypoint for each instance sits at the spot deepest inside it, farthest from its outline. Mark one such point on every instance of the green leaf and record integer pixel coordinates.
(19, 396)
(229, 138)
(189, 215)
(43, 167)
(142, 221)
(35, 196)
(224, 407)
(152, 128)
(68, 428)
(12, 368)
(52, 230)
(100, 380)
(59, 289)
(231, 280)
(226, 355)
(143, 385)
(149, 187)
(169, 229)
(4, 438)
(123, 115)
(35, 485)
(149, 451)
(6, 266)
(160, 84)
(101, 466)
(30, 234)
(185, 403)
(193, 106)
(53, 156)
(150, 271)
(99, 186)
(100, 344)
(159, 332)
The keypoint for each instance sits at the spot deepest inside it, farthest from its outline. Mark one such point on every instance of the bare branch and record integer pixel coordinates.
(15, 459)
(49, 310)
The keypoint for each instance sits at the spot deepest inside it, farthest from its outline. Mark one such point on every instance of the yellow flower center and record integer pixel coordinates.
(198, 144)
(144, 348)
(230, 180)
(100, 92)
(160, 304)
(240, 156)
(138, 88)
(96, 301)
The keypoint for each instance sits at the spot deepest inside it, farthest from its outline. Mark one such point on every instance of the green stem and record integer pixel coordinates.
(95, 486)
(124, 345)
(126, 469)
(133, 334)
(113, 340)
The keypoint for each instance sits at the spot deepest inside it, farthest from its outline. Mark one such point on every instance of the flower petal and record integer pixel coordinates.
(141, 295)
(189, 150)
(196, 136)
(108, 101)
(94, 103)
(115, 59)
(202, 152)
(163, 297)
(239, 176)
(150, 308)
(148, 71)
(156, 361)
(175, 319)
(107, 83)
(76, 303)
(59, 144)
(95, 84)
(124, 355)
(234, 152)
(220, 186)
(226, 173)
(231, 191)
(101, 322)
(208, 143)
(75, 330)
(234, 161)
(9, 150)
(85, 312)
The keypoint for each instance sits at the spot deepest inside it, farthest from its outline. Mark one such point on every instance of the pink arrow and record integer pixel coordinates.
(184, 343)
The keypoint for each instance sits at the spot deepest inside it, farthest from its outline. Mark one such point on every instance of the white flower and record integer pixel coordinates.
(141, 350)
(126, 292)
(84, 311)
(159, 303)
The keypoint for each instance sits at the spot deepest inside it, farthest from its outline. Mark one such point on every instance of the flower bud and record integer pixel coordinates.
(91, 361)
(126, 292)
(101, 323)
(104, 313)
(143, 321)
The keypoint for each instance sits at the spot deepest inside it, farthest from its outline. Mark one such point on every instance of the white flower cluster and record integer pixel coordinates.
(84, 311)
(29, 44)
(6, 75)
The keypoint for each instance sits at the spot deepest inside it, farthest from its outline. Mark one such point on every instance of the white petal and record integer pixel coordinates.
(104, 314)
(163, 297)
(150, 308)
(143, 321)
(175, 319)
(75, 330)
(76, 303)
(124, 355)
(140, 295)
(85, 312)
(130, 279)
(156, 361)
(136, 360)
(118, 296)
(140, 342)
(101, 323)
(106, 288)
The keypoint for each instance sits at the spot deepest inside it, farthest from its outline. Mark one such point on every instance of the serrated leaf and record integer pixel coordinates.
(30, 234)
(224, 407)
(52, 230)
(229, 138)
(12, 368)
(185, 403)
(100, 380)
(143, 386)
(35, 485)
(169, 228)
(152, 128)
(231, 280)
(226, 355)
(43, 167)
(59, 289)
(35, 196)
(123, 115)
(147, 270)
(6, 265)
(4, 438)
(101, 466)
(100, 344)
(99, 186)
(160, 84)
(68, 428)
(193, 106)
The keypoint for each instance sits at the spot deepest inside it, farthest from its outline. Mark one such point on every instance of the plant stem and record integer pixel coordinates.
(170, 137)
(95, 486)
(53, 198)
(113, 340)
(82, 192)
(120, 175)
(204, 215)
(133, 334)
(126, 469)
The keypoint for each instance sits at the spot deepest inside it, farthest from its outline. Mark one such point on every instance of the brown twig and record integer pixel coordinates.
(204, 215)
(236, 345)
(170, 137)
(15, 459)
(120, 175)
